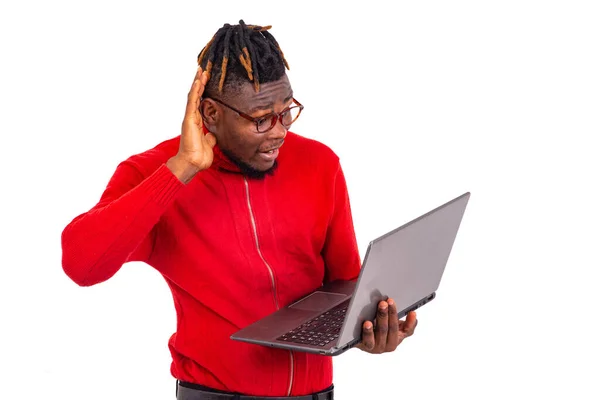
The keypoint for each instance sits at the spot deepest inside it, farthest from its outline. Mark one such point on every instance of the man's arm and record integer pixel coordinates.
(119, 228)
(342, 259)
(343, 262)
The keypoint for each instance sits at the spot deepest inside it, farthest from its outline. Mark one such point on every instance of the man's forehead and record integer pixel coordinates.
(270, 95)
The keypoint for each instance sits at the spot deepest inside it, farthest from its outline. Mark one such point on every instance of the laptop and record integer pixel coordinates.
(405, 264)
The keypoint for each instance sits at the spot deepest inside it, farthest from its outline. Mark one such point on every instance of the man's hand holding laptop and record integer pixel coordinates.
(388, 331)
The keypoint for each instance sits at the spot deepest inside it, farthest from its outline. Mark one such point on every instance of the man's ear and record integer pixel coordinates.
(210, 114)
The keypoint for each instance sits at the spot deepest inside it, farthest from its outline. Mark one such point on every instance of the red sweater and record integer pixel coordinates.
(231, 250)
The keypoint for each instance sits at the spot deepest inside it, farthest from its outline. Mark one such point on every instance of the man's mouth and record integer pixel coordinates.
(271, 150)
(270, 154)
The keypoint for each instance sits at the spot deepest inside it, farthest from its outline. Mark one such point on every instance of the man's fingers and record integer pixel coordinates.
(408, 327)
(368, 338)
(381, 326)
(191, 106)
(197, 80)
(194, 94)
(203, 81)
(392, 337)
(211, 140)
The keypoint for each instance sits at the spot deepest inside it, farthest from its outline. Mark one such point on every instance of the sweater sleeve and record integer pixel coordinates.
(118, 229)
(342, 259)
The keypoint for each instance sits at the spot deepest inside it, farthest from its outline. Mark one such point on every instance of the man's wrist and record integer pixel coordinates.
(182, 169)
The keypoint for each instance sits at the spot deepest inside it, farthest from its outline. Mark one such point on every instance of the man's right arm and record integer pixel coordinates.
(120, 227)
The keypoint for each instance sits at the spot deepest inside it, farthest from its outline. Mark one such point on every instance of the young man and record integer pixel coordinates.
(241, 217)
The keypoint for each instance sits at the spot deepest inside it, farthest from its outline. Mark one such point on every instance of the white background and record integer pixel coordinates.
(422, 102)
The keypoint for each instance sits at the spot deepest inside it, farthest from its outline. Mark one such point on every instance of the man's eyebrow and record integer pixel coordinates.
(268, 107)
(291, 96)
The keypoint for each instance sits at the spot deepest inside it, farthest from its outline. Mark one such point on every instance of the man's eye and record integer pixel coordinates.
(262, 121)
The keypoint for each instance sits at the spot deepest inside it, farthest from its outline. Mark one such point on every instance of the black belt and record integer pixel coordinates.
(191, 391)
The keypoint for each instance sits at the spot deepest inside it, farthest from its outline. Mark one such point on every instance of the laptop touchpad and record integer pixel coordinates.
(318, 301)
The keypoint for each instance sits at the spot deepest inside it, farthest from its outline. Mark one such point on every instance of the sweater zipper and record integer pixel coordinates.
(289, 393)
(253, 221)
(257, 245)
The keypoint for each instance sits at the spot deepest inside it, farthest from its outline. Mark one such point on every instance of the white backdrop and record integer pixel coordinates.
(422, 102)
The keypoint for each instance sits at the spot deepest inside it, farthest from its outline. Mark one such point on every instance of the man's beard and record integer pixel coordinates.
(248, 170)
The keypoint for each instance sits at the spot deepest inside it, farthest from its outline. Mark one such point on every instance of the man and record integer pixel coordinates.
(237, 223)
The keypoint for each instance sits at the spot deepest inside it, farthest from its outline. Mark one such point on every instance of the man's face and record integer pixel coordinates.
(237, 137)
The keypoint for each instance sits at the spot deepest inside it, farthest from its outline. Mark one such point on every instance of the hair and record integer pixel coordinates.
(241, 53)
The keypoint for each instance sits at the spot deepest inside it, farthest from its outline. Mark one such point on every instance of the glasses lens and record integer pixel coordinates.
(265, 123)
(287, 118)
(290, 116)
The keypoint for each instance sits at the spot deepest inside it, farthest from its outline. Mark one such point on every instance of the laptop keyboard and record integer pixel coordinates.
(320, 330)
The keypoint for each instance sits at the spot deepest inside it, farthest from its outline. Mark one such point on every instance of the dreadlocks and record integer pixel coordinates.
(239, 52)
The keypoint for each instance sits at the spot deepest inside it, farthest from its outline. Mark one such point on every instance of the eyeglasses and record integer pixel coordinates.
(266, 122)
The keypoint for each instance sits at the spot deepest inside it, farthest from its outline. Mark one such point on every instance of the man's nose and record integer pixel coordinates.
(278, 131)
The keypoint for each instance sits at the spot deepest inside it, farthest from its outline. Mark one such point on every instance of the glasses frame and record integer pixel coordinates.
(274, 116)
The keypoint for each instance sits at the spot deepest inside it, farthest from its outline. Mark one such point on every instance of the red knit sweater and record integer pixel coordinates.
(231, 250)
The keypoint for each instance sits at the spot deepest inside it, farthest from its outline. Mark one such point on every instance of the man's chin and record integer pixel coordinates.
(255, 173)
(251, 171)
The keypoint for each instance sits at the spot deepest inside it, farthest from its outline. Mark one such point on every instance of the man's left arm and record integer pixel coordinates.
(340, 252)
(342, 262)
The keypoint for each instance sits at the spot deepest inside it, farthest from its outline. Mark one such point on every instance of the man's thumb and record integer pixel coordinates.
(210, 139)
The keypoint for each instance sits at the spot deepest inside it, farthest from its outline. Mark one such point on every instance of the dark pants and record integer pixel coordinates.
(192, 391)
